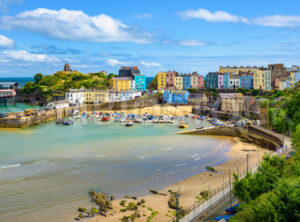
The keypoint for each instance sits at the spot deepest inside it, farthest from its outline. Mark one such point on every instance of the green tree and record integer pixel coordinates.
(38, 77)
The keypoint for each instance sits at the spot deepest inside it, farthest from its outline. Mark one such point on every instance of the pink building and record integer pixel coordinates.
(200, 82)
(220, 82)
(276, 83)
(170, 80)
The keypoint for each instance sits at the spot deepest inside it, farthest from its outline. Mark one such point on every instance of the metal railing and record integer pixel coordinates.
(216, 195)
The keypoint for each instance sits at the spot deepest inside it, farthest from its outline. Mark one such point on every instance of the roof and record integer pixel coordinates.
(231, 95)
(122, 78)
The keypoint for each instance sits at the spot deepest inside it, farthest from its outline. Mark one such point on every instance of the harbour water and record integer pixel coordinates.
(16, 107)
(47, 171)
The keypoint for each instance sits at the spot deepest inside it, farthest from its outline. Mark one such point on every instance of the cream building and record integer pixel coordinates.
(232, 102)
(178, 82)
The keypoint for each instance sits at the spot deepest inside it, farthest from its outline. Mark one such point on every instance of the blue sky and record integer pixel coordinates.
(40, 36)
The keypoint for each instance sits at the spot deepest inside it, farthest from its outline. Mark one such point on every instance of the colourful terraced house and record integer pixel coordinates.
(140, 83)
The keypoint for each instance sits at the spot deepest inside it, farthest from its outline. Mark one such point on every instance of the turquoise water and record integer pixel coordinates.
(47, 171)
(18, 107)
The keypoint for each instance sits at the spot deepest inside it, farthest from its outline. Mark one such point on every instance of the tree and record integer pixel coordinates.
(38, 77)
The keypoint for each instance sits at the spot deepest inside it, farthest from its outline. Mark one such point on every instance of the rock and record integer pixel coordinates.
(81, 209)
(101, 200)
(131, 206)
(80, 216)
(122, 202)
(76, 218)
(102, 214)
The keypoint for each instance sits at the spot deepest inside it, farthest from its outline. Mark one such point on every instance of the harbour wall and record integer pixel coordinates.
(252, 134)
(13, 121)
(141, 102)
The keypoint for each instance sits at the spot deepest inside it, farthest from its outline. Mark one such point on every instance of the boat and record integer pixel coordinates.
(129, 123)
(77, 117)
(105, 118)
(183, 124)
(59, 121)
(67, 123)
(224, 217)
(233, 209)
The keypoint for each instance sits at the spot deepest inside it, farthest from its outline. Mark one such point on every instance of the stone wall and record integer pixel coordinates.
(250, 134)
(123, 105)
(40, 117)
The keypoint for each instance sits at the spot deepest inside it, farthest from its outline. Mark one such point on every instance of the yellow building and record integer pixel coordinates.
(122, 83)
(262, 79)
(95, 96)
(161, 81)
(292, 78)
(178, 82)
(235, 70)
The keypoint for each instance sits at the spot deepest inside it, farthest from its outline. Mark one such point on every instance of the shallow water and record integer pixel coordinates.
(17, 107)
(47, 171)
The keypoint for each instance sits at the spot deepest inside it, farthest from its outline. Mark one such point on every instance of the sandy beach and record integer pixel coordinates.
(190, 187)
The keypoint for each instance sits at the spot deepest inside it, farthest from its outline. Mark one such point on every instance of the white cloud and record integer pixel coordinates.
(278, 21)
(221, 16)
(143, 16)
(114, 62)
(74, 25)
(218, 16)
(28, 57)
(6, 42)
(192, 42)
(150, 64)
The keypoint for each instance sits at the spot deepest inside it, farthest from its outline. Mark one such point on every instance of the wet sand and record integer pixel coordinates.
(190, 187)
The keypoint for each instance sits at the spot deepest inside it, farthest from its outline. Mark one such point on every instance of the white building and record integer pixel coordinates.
(58, 104)
(75, 97)
(234, 82)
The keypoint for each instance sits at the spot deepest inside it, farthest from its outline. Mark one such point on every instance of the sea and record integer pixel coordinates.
(46, 171)
(21, 80)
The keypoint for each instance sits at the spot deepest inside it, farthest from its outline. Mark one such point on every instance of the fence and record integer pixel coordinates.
(215, 196)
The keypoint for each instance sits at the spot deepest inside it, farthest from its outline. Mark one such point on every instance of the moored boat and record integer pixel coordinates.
(129, 123)
(183, 124)
(105, 118)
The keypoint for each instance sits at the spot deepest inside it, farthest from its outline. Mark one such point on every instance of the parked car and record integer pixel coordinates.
(3, 115)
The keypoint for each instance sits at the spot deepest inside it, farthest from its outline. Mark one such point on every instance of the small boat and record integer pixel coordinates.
(224, 217)
(68, 122)
(233, 209)
(183, 124)
(105, 118)
(129, 123)
(59, 121)
(77, 117)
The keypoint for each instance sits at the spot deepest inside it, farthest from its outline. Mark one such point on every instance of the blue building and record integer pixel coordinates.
(176, 96)
(186, 81)
(140, 83)
(149, 80)
(211, 80)
(246, 81)
(226, 79)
